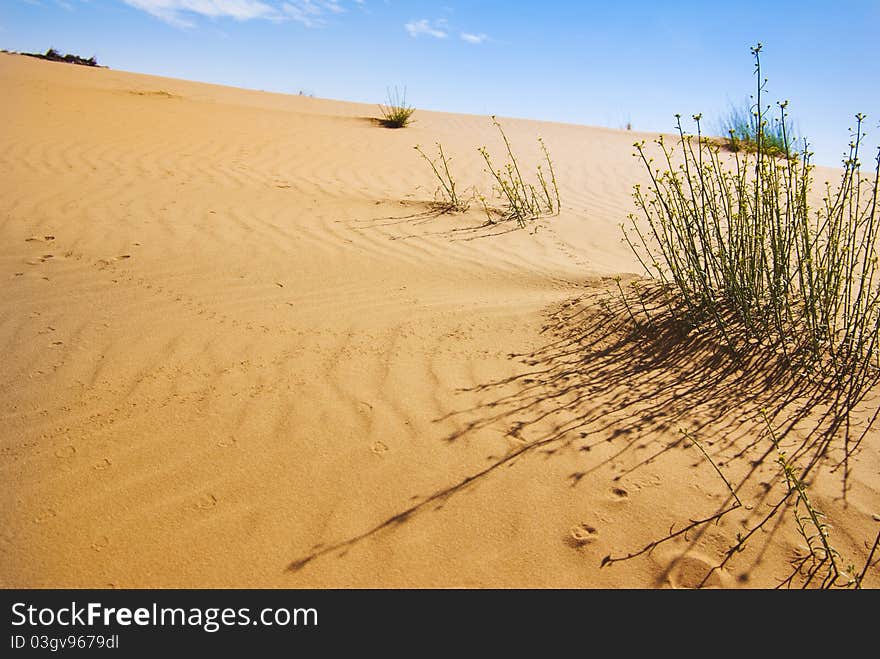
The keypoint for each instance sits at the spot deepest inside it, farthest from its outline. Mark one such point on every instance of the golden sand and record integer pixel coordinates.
(240, 350)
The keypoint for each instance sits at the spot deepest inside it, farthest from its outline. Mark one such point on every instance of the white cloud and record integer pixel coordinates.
(474, 38)
(436, 29)
(181, 12)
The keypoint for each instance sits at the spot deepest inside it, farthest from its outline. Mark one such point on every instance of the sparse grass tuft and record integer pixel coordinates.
(396, 113)
(741, 130)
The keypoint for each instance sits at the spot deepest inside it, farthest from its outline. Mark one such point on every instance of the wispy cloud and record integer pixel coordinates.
(306, 12)
(474, 38)
(175, 12)
(436, 29)
(181, 13)
(64, 4)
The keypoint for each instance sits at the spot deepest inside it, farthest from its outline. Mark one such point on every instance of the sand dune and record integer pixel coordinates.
(239, 349)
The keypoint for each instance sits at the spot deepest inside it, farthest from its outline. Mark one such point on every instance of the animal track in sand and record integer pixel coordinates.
(379, 447)
(619, 493)
(203, 311)
(101, 543)
(581, 534)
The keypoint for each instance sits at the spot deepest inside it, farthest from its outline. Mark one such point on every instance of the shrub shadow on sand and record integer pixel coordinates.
(602, 376)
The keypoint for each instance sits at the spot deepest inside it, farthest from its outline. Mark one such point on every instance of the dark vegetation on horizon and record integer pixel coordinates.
(53, 55)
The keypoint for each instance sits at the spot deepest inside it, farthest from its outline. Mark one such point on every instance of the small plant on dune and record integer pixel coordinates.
(452, 200)
(523, 201)
(396, 113)
(736, 246)
(741, 127)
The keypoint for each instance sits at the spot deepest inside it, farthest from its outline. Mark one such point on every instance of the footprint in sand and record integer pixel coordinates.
(45, 515)
(581, 534)
(66, 452)
(696, 571)
(101, 543)
(102, 465)
(379, 447)
(619, 493)
(206, 502)
(227, 443)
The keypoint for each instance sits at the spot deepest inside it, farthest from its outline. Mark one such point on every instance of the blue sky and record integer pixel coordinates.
(597, 63)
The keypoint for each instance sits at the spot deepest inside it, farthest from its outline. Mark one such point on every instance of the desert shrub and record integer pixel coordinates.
(734, 243)
(523, 200)
(451, 199)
